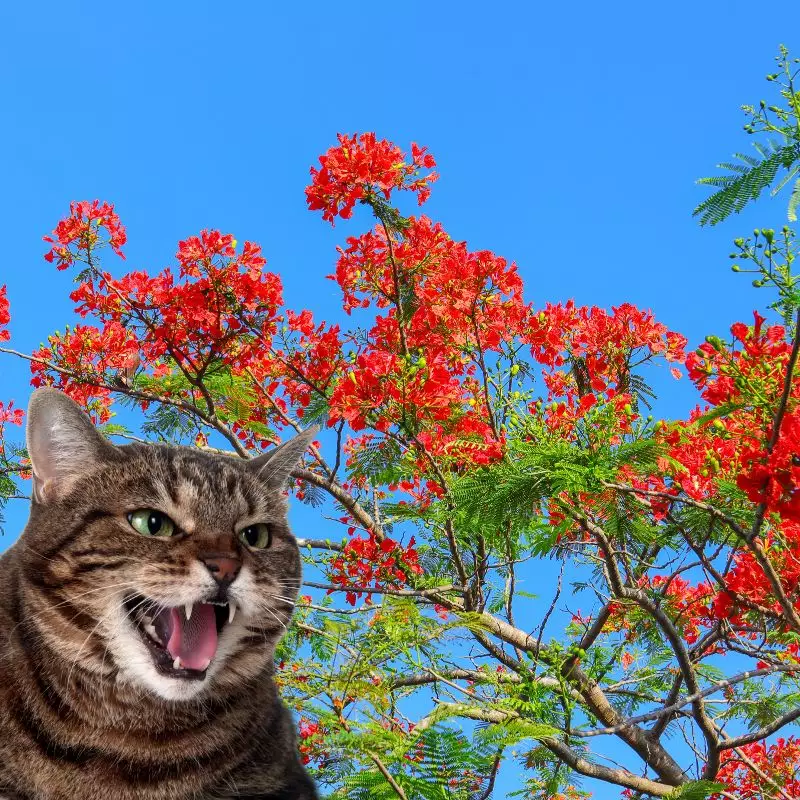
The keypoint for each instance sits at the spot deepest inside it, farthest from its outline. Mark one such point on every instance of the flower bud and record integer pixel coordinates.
(514, 369)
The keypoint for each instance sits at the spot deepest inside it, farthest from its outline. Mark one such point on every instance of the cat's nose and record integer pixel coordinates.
(223, 570)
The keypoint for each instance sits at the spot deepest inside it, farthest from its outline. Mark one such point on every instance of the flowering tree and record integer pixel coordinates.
(474, 441)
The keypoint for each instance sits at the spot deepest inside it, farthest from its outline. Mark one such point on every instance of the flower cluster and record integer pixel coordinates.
(745, 380)
(90, 225)
(311, 738)
(362, 165)
(778, 762)
(589, 356)
(371, 562)
(10, 414)
(5, 316)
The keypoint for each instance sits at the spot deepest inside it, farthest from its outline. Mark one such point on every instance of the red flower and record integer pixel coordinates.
(5, 316)
(363, 164)
(84, 229)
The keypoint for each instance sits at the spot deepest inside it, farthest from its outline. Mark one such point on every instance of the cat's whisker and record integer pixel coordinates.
(286, 600)
(277, 618)
(38, 616)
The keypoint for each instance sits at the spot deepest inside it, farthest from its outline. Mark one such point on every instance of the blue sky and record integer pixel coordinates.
(568, 137)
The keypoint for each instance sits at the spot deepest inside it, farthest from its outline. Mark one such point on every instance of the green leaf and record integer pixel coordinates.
(738, 188)
(794, 202)
(696, 790)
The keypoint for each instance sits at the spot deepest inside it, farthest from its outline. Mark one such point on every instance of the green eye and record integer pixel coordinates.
(258, 536)
(149, 522)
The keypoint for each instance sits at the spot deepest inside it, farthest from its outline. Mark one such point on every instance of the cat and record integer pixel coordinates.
(139, 613)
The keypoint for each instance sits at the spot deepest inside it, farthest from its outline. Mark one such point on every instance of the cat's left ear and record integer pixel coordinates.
(275, 466)
(62, 443)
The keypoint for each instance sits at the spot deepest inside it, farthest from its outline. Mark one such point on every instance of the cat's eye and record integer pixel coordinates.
(258, 536)
(149, 522)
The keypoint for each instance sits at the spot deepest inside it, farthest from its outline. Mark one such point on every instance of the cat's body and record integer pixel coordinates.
(136, 664)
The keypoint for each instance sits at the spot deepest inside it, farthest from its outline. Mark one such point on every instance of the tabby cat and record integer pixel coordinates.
(139, 614)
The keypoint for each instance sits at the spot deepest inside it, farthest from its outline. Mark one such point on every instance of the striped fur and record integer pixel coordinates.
(83, 712)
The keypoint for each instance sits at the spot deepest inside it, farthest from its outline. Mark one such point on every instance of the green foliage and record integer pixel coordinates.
(752, 174)
(444, 764)
(696, 790)
(745, 181)
(518, 487)
(11, 456)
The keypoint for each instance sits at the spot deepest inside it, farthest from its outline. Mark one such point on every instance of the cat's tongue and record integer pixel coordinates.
(193, 641)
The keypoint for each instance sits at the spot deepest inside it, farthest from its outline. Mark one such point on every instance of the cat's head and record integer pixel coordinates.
(160, 567)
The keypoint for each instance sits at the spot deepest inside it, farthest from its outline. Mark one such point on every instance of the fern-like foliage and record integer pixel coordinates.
(696, 790)
(746, 181)
(537, 471)
(445, 765)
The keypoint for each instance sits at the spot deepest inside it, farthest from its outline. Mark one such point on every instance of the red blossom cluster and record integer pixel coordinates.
(82, 354)
(374, 563)
(10, 414)
(588, 355)
(689, 607)
(82, 231)
(447, 311)
(747, 378)
(362, 165)
(312, 736)
(5, 315)
(747, 586)
(780, 762)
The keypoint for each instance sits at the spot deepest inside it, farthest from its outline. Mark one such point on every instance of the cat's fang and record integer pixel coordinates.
(231, 611)
(188, 609)
(176, 664)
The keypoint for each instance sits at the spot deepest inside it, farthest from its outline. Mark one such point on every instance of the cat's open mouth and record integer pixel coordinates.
(182, 640)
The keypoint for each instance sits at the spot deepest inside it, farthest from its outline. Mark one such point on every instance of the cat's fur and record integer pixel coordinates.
(84, 713)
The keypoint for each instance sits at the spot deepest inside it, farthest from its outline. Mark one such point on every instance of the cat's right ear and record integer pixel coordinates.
(62, 443)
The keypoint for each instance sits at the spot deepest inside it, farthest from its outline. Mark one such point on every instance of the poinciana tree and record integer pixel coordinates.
(474, 441)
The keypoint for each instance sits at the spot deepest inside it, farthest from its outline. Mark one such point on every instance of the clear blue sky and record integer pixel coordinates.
(568, 137)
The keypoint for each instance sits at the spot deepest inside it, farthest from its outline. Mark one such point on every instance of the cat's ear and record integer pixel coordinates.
(274, 467)
(62, 443)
